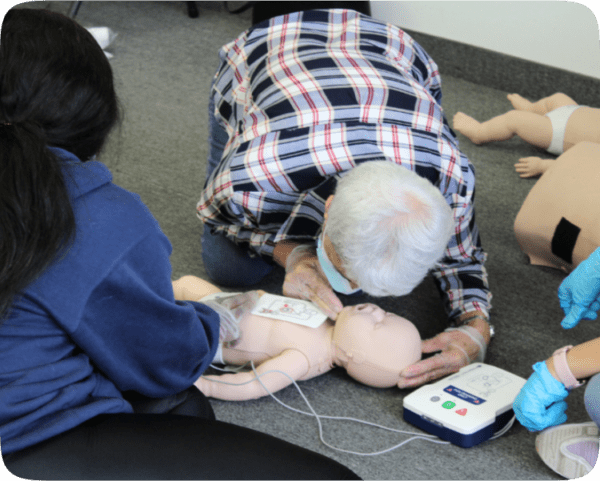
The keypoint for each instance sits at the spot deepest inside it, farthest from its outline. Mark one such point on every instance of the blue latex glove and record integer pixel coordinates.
(540, 403)
(579, 293)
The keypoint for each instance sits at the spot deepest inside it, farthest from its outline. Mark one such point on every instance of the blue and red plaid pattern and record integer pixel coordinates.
(306, 97)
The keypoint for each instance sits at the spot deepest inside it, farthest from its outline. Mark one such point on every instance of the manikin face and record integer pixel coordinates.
(375, 346)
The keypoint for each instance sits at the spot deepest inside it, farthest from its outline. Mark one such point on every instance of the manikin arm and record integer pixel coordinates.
(291, 361)
(532, 166)
(192, 288)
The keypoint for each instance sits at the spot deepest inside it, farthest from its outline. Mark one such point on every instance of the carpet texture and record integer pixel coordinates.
(163, 63)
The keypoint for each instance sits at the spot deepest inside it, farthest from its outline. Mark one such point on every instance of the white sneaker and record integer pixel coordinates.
(571, 450)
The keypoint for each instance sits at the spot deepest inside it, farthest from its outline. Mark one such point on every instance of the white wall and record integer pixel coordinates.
(557, 33)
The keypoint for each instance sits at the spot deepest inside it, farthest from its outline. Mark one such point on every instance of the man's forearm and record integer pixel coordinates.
(464, 287)
(479, 321)
(282, 251)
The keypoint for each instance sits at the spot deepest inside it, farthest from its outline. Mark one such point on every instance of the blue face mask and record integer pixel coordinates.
(337, 281)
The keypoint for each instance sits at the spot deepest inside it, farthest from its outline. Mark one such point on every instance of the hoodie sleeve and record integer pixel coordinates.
(137, 334)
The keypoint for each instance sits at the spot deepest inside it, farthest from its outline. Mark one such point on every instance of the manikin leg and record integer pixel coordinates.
(542, 106)
(532, 128)
(528, 121)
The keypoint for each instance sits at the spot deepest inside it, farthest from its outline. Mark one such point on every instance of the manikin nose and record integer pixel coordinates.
(370, 309)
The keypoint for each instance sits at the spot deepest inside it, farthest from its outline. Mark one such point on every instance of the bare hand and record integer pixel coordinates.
(305, 280)
(456, 350)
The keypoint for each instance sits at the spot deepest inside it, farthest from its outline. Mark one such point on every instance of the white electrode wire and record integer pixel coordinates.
(425, 437)
(504, 429)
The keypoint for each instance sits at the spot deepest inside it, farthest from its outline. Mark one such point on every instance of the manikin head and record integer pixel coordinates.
(559, 223)
(373, 345)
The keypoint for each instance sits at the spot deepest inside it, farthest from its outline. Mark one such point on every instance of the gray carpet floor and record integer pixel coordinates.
(163, 63)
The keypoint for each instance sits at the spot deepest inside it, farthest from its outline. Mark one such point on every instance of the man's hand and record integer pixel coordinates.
(304, 279)
(455, 350)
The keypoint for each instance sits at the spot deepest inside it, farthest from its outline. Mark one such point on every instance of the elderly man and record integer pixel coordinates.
(305, 108)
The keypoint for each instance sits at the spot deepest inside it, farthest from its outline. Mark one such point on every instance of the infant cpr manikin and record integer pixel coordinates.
(559, 222)
(373, 346)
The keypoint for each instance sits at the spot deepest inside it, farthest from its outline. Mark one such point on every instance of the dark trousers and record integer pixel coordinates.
(269, 9)
(174, 438)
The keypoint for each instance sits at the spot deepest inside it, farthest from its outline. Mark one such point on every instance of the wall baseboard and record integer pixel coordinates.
(507, 73)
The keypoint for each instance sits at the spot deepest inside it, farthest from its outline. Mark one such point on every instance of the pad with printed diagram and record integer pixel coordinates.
(288, 309)
(487, 384)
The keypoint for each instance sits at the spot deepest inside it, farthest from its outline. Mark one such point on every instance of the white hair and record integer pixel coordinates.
(389, 226)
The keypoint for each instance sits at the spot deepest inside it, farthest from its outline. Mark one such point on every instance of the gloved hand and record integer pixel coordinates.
(304, 279)
(232, 309)
(455, 348)
(540, 403)
(579, 293)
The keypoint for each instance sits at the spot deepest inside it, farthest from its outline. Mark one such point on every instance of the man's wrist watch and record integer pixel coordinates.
(483, 318)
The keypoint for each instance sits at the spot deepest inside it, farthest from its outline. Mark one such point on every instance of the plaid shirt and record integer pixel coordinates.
(306, 97)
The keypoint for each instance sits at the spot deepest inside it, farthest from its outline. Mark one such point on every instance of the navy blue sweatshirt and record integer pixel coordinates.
(101, 320)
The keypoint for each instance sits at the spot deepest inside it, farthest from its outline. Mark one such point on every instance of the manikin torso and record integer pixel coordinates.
(263, 338)
(372, 345)
(558, 224)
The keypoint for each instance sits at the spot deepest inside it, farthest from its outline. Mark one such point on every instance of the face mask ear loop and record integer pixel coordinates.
(336, 280)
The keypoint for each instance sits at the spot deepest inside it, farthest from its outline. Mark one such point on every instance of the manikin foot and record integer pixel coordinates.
(520, 103)
(469, 127)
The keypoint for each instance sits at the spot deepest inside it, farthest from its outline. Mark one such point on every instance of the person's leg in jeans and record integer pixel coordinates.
(167, 446)
(591, 399)
(265, 10)
(226, 264)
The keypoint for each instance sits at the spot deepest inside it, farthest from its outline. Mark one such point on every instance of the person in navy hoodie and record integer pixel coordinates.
(97, 356)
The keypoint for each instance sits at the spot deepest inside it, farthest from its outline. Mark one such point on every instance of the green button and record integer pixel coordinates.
(448, 405)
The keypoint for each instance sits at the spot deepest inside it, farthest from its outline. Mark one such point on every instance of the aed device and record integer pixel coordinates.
(466, 408)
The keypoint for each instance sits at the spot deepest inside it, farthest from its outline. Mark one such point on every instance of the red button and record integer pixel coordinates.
(462, 411)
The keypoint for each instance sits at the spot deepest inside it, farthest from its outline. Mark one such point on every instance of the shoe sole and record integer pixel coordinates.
(550, 445)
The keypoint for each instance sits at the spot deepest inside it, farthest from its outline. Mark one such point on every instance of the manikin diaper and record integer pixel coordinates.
(559, 118)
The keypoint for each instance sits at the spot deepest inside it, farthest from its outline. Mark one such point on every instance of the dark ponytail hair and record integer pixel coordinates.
(56, 90)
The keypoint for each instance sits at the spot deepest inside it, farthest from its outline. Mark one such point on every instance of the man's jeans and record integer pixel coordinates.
(226, 264)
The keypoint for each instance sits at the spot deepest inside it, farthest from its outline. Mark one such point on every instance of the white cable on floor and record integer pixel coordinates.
(425, 437)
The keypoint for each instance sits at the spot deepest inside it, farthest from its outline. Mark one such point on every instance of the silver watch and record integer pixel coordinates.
(492, 330)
